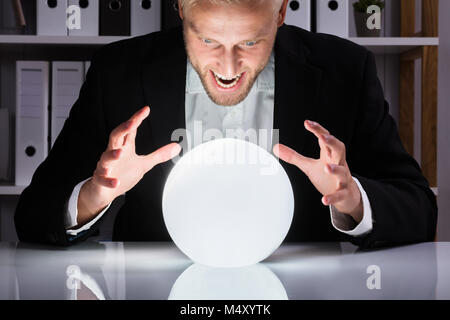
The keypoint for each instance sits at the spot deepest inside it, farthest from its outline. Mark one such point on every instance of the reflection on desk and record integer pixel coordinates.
(115, 270)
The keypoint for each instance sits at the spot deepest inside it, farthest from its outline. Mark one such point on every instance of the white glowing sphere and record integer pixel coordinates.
(228, 203)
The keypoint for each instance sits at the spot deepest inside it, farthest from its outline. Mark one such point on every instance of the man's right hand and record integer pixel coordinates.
(119, 168)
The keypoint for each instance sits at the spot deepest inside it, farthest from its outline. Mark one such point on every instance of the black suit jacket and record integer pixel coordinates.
(317, 76)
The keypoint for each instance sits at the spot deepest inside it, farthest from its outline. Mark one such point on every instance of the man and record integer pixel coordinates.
(234, 65)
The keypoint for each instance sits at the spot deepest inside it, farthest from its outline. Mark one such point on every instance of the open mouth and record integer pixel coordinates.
(226, 83)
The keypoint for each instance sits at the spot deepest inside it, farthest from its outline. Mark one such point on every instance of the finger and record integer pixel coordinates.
(291, 156)
(106, 182)
(334, 198)
(161, 155)
(102, 171)
(108, 157)
(315, 128)
(336, 146)
(339, 172)
(137, 119)
(117, 136)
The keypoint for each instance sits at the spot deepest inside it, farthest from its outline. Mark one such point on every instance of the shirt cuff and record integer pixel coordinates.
(345, 223)
(72, 212)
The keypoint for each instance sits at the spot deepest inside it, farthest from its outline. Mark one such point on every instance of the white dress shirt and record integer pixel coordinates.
(255, 113)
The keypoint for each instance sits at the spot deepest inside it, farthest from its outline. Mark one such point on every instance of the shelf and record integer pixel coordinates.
(394, 45)
(389, 45)
(58, 40)
(6, 190)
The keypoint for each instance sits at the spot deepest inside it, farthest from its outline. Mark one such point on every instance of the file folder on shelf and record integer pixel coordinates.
(67, 78)
(332, 17)
(115, 17)
(31, 118)
(298, 14)
(51, 17)
(89, 17)
(4, 144)
(145, 16)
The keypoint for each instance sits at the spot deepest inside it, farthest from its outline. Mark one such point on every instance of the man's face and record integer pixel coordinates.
(229, 45)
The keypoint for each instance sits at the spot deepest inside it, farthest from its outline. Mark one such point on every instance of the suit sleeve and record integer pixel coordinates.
(404, 208)
(40, 213)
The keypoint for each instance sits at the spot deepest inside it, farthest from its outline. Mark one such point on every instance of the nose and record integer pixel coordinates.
(230, 63)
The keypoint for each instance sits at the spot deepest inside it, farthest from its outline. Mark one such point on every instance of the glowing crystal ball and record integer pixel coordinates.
(228, 203)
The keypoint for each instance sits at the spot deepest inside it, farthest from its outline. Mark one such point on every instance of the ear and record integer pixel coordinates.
(282, 13)
(180, 9)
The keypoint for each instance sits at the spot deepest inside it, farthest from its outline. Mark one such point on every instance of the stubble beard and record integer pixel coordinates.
(228, 100)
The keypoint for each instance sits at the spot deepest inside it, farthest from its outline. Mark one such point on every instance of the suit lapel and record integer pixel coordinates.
(297, 85)
(164, 80)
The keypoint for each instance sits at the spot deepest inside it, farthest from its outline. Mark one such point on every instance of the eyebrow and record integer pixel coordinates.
(193, 27)
(196, 31)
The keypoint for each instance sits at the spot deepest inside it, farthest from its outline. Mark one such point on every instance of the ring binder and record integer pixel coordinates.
(145, 17)
(299, 14)
(115, 17)
(51, 17)
(31, 118)
(332, 17)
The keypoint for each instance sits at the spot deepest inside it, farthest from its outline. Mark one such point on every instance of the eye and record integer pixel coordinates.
(250, 43)
(207, 41)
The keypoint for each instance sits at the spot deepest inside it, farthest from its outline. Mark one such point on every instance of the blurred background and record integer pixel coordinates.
(46, 46)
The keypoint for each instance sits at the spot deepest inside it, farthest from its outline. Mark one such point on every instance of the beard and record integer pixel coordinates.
(228, 99)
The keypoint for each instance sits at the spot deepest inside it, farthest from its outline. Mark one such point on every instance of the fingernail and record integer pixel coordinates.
(176, 150)
(326, 137)
(312, 123)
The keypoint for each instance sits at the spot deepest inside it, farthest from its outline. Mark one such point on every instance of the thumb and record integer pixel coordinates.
(161, 155)
(291, 156)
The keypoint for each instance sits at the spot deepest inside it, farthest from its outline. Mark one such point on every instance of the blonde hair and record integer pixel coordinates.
(192, 3)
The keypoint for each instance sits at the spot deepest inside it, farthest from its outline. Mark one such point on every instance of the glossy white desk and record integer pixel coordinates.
(114, 270)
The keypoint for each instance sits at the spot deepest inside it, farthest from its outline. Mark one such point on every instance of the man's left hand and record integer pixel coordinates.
(330, 173)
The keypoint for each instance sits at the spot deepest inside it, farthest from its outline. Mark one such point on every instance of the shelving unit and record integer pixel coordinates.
(410, 47)
(388, 45)
(429, 83)
(11, 190)
(406, 47)
(394, 45)
(397, 56)
(57, 40)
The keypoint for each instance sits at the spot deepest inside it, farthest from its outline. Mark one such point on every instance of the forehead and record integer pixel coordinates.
(221, 19)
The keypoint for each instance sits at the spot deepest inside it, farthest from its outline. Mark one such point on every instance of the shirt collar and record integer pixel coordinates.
(264, 82)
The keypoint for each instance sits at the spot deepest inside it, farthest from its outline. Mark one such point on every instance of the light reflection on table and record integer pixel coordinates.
(116, 270)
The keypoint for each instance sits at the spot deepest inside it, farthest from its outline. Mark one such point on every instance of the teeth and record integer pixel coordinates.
(220, 77)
